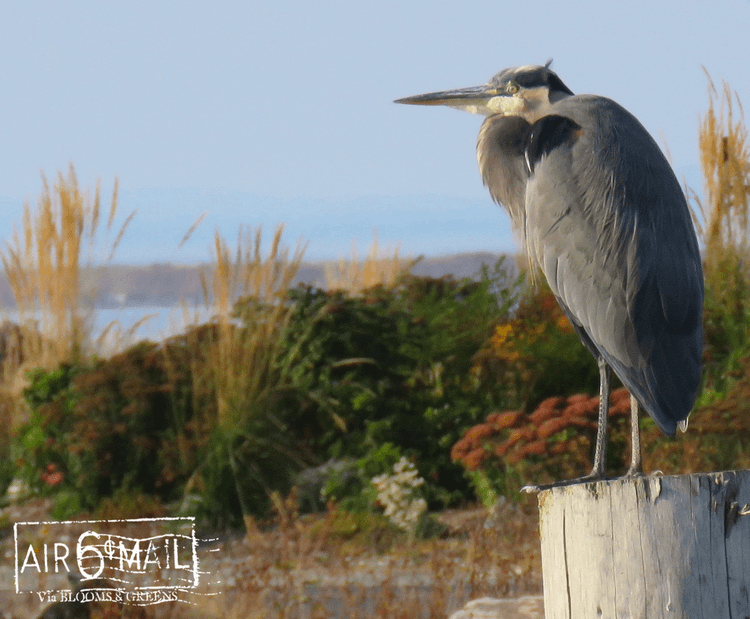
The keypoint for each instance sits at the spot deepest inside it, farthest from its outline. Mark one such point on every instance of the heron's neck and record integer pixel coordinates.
(539, 103)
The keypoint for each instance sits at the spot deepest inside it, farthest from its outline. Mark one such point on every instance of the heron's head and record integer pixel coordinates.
(519, 91)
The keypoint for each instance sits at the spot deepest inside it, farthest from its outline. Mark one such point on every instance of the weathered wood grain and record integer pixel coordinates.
(676, 546)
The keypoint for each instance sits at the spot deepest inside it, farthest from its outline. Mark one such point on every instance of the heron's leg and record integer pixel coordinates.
(636, 465)
(600, 452)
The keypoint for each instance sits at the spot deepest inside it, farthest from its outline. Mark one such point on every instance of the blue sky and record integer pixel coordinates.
(282, 111)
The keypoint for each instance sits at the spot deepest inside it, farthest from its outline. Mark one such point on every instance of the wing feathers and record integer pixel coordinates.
(609, 226)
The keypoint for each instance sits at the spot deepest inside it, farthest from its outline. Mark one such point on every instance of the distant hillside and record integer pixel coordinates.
(166, 285)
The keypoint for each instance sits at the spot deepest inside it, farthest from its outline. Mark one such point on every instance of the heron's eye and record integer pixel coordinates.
(511, 88)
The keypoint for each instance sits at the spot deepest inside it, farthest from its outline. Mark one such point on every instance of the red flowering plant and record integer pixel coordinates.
(52, 476)
(554, 442)
(538, 357)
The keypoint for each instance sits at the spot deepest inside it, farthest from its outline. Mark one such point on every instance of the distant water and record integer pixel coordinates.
(158, 323)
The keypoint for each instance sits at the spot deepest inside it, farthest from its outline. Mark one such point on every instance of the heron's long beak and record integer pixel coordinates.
(460, 97)
(485, 100)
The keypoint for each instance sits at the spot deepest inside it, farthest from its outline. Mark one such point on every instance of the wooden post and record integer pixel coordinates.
(648, 547)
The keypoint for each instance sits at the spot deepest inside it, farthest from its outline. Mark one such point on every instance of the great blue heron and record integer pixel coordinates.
(602, 215)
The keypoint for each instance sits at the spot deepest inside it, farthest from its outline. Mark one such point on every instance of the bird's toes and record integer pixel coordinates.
(536, 488)
(633, 472)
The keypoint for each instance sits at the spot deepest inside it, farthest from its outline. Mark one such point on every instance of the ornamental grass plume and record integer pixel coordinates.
(378, 268)
(45, 268)
(722, 219)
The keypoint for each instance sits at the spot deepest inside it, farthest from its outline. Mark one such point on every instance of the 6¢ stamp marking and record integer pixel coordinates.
(140, 568)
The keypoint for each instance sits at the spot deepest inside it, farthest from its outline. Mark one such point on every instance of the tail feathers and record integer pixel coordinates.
(669, 409)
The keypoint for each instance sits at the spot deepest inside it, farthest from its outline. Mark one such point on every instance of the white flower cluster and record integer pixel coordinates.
(399, 495)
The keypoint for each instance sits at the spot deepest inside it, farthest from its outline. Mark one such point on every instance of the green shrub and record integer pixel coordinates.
(537, 353)
(367, 378)
(100, 428)
(726, 327)
(393, 366)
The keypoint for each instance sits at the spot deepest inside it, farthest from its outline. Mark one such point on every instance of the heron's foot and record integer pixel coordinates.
(593, 476)
(633, 472)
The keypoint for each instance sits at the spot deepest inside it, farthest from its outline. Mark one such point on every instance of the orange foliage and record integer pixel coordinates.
(557, 437)
(504, 420)
(556, 440)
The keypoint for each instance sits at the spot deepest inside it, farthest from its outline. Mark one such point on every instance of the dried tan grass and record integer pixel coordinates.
(234, 361)
(378, 268)
(241, 361)
(43, 263)
(307, 566)
(725, 163)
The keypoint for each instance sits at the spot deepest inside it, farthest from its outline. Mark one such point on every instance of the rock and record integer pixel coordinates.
(311, 483)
